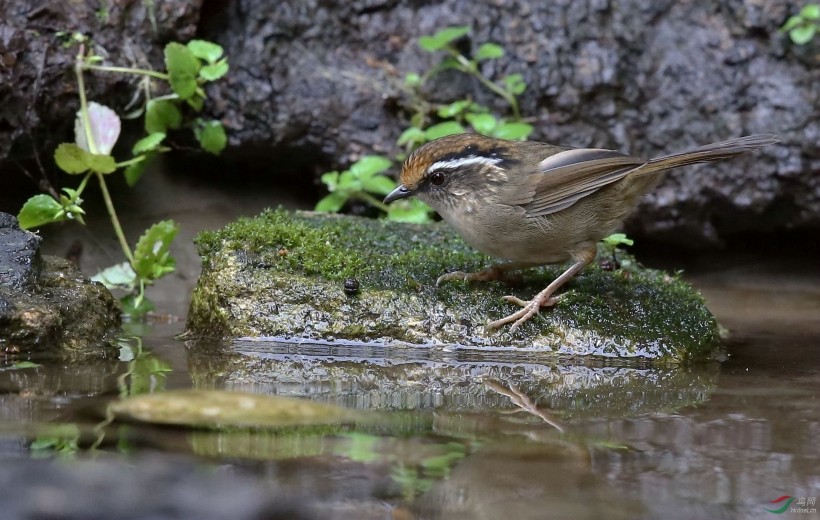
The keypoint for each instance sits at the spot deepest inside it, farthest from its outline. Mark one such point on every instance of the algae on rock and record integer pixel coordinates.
(283, 274)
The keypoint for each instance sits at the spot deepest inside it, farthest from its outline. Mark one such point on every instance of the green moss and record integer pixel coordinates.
(336, 248)
(282, 274)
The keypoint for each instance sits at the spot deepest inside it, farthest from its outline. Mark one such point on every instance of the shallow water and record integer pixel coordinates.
(713, 440)
(443, 438)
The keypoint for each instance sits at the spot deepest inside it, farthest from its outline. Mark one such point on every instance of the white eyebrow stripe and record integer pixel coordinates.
(452, 164)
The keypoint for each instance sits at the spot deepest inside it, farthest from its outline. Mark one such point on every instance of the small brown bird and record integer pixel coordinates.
(535, 203)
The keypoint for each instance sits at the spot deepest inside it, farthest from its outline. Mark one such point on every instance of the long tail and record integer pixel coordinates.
(709, 153)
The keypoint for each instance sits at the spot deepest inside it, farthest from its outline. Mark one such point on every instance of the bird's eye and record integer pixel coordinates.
(437, 178)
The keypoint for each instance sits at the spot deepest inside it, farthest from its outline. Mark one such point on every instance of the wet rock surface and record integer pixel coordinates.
(46, 304)
(38, 88)
(314, 85)
(283, 275)
(321, 81)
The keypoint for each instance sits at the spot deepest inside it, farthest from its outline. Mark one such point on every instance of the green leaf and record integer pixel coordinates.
(412, 79)
(183, 68)
(152, 260)
(101, 163)
(348, 182)
(810, 12)
(134, 306)
(133, 172)
(617, 239)
(40, 209)
(482, 123)
(148, 143)
(214, 72)
(118, 276)
(489, 51)
(442, 129)
(160, 115)
(331, 203)
(514, 83)
(205, 50)
(369, 165)
(791, 23)
(331, 180)
(379, 184)
(513, 131)
(413, 211)
(211, 136)
(196, 102)
(442, 38)
(413, 135)
(803, 34)
(71, 158)
(454, 109)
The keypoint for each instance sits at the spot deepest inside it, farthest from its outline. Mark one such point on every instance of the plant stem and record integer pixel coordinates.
(131, 161)
(83, 183)
(127, 70)
(78, 69)
(372, 200)
(114, 220)
(469, 68)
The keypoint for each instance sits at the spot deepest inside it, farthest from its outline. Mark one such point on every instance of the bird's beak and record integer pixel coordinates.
(402, 192)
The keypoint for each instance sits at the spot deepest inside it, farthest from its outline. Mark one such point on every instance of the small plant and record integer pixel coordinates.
(803, 26)
(364, 180)
(96, 130)
(453, 117)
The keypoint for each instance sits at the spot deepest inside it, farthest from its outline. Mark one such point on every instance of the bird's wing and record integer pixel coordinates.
(562, 179)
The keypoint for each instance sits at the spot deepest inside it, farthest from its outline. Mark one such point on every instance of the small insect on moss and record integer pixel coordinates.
(351, 287)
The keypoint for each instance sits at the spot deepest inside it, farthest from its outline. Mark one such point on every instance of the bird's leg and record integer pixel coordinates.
(494, 272)
(544, 298)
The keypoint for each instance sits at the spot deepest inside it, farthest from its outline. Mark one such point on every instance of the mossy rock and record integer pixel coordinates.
(283, 274)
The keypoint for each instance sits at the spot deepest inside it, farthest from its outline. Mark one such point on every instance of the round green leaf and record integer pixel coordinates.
(515, 83)
(455, 108)
(791, 23)
(803, 34)
(331, 203)
(413, 211)
(330, 179)
(205, 50)
(414, 135)
(211, 136)
(379, 184)
(161, 115)
(118, 276)
(152, 259)
(442, 38)
(71, 158)
(513, 131)
(482, 123)
(412, 79)
(40, 209)
(442, 129)
(148, 143)
(101, 163)
(183, 68)
(810, 12)
(370, 165)
(133, 172)
(214, 72)
(489, 51)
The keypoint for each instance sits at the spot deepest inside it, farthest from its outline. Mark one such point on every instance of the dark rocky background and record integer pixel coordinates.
(314, 84)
